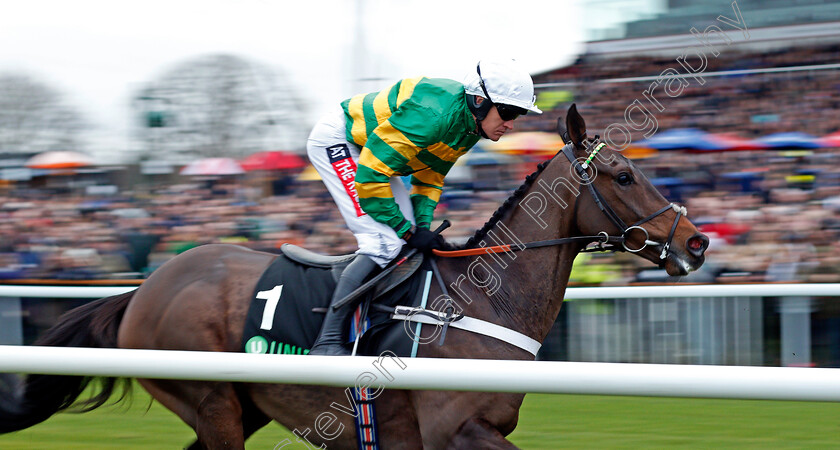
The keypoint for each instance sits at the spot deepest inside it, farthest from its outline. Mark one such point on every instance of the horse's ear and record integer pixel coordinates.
(576, 126)
(561, 130)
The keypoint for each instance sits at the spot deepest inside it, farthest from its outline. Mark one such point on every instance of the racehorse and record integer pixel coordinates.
(586, 194)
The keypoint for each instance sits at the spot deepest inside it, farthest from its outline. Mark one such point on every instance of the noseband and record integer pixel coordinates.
(602, 204)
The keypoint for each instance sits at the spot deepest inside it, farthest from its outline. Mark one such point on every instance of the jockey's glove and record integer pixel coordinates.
(425, 240)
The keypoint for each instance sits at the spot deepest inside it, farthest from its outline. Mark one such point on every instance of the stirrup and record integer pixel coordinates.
(332, 335)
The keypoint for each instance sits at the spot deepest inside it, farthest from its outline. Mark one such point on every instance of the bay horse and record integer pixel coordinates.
(199, 299)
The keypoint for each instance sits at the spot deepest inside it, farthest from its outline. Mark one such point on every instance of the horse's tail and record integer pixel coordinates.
(33, 399)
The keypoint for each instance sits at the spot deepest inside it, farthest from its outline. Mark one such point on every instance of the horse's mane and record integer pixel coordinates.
(509, 204)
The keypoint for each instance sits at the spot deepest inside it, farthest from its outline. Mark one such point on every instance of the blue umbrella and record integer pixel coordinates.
(790, 140)
(744, 179)
(480, 157)
(742, 175)
(666, 181)
(681, 138)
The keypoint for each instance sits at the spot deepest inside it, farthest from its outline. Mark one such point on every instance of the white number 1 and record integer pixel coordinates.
(271, 298)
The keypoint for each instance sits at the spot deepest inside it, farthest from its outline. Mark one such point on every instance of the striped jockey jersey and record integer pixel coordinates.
(418, 127)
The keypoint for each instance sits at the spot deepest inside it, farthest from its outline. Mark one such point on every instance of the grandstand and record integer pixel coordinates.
(779, 75)
(681, 15)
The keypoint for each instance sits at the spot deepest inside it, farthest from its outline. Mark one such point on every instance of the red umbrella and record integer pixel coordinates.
(731, 141)
(831, 140)
(273, 160)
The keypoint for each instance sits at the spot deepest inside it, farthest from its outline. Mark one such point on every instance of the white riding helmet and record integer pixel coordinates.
(503, 81)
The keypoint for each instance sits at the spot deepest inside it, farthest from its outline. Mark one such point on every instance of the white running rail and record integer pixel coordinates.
(574, 293)
(771, 383)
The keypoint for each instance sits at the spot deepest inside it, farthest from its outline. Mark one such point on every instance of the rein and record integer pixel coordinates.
(505, 248)
(603, 238)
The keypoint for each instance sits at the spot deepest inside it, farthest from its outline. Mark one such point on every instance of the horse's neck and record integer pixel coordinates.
(522, 290)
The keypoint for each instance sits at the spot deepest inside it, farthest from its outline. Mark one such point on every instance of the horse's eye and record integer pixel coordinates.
(624, 178)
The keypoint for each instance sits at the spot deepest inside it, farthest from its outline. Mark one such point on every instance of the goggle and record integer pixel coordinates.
(506, 112)
(509, 112)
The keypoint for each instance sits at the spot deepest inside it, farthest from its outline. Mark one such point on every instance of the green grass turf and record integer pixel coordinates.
(546, 422)
(140, 424)
(585, 421)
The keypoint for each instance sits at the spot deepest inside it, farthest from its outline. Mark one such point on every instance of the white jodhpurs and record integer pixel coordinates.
(335, 160)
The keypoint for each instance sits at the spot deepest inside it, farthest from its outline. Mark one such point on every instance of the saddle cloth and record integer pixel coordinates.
(291, 297)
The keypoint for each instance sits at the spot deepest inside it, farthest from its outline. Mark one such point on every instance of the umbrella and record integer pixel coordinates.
(273, 160)
(637, 152)
(794, 140)
(481, 157)
(731, 141)
(58, 160)
(213, 166)
(667, 181)
(309, 174)
(680, 138)
(527, 142)
(831, 140)
(745, 180)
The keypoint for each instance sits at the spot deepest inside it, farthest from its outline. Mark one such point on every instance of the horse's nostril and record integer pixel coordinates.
(697, 244)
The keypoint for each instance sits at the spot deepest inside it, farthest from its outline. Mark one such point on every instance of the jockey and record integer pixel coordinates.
(418, 127)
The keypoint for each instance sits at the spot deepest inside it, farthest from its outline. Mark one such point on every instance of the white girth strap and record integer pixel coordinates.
(478, 326)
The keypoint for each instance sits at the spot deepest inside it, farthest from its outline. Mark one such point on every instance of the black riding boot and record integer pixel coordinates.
(331, 339)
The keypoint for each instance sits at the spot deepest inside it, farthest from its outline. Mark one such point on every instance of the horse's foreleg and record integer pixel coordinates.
(478, 433)
(212, 409)
(219, 421)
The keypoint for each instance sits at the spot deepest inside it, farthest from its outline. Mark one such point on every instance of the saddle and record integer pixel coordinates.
(337, 264)
(292, 294)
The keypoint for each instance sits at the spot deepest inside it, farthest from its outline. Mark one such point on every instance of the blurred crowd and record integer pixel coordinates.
(781, 223)
(70, 236)
(771, 215)
(748, 104)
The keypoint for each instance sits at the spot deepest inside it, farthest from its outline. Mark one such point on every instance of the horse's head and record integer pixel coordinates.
(618, 200)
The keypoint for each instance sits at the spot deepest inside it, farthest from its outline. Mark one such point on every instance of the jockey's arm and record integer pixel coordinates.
(426, 187)
(392, 150)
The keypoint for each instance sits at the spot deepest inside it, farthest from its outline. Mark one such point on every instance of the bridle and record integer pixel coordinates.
(602, 204)
(605, 242)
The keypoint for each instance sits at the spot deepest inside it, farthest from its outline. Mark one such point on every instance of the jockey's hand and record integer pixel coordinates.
(426, 240)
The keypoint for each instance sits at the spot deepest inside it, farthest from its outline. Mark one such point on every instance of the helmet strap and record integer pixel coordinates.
(481, 130)
(480, 111)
